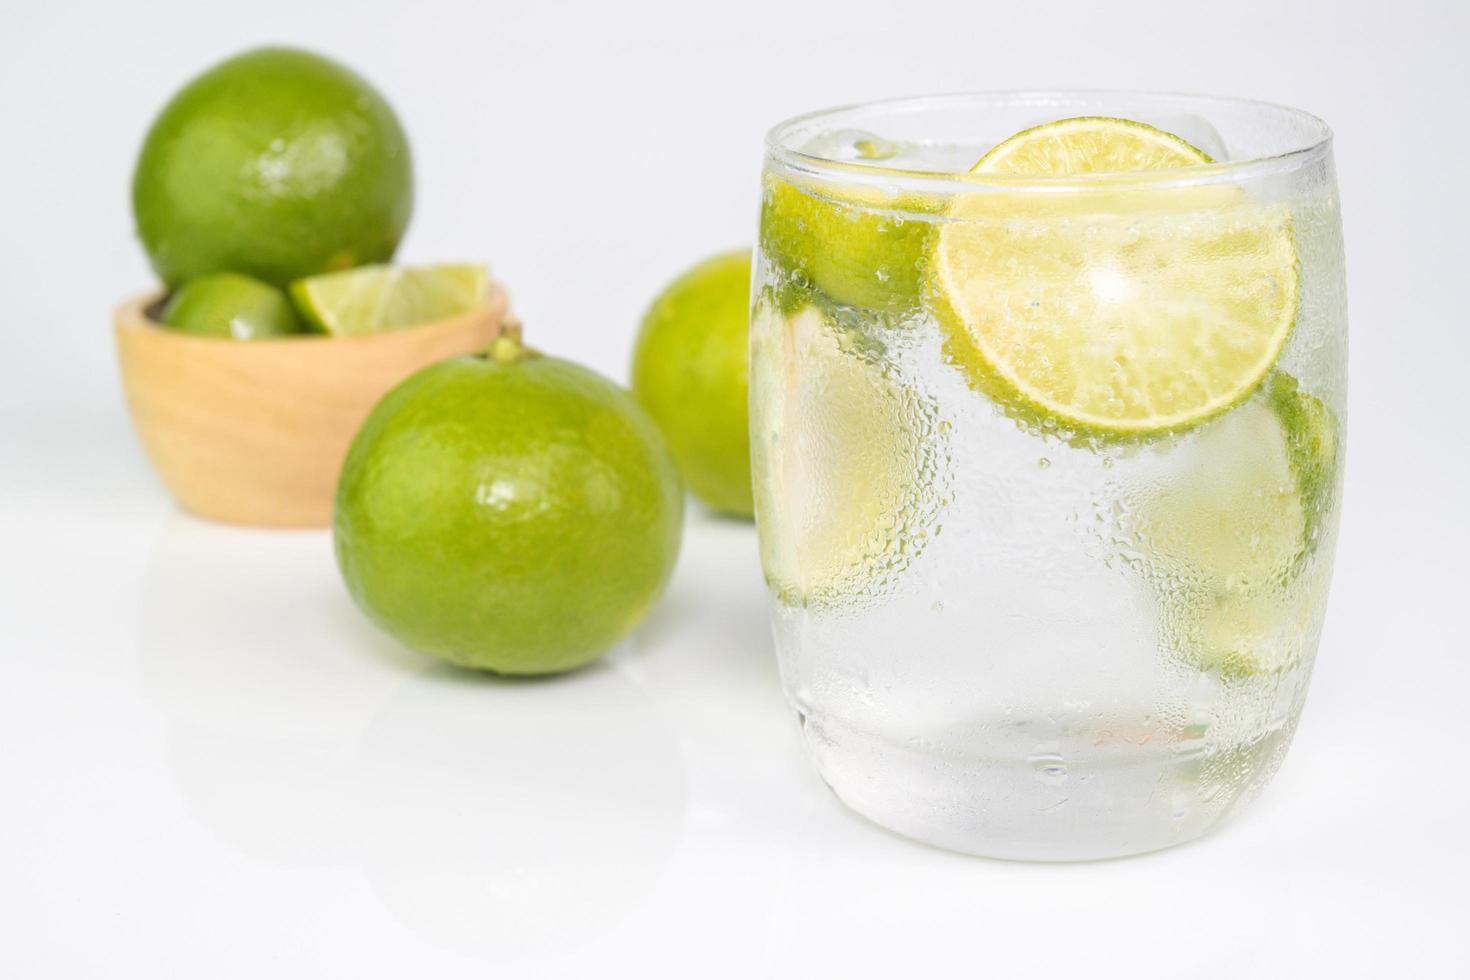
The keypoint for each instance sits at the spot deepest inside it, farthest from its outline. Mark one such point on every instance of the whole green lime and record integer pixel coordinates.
(690, 370)
(508, 512)
(276, 163)
(227, 304)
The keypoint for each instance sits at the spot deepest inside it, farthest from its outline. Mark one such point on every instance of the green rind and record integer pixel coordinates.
(305, 308)
(1313, 444)
(866, 256)
(227, 304)
(276, 163)
(519, 516)
(691, 373)
(995, 151)
(1313, 441)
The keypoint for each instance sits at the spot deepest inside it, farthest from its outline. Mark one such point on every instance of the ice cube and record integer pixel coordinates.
(1195, 130)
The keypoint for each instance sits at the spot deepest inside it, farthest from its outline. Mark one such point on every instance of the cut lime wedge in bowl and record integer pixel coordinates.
(376, 298)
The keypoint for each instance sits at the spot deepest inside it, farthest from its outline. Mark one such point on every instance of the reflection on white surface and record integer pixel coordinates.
(499, 817)
(250, 632)
(258, 662)
(276, 798)
(512, 817)
(366, 812)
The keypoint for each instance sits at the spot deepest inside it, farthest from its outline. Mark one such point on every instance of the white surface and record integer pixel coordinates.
(213, 767)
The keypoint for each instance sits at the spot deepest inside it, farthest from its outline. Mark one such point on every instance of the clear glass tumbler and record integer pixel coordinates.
(1048, 456)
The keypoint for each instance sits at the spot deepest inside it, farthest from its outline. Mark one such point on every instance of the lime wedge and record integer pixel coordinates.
(844, 460)
(374, 298)
(860, 247)
(1122, 309)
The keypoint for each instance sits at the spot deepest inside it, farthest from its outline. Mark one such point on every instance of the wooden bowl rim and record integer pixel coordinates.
(133, 314)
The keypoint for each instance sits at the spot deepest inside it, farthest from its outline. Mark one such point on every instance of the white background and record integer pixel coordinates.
(210, 766)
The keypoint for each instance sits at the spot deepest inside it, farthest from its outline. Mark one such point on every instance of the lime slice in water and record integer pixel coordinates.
(1247, 634)
(1313, 444)
(1230, 541)
(844, 461)
(375, 298)
(1233, 518)
(860, 246)
(1122, 309)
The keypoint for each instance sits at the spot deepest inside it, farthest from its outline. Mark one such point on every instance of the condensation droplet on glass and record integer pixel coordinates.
(1050, 766)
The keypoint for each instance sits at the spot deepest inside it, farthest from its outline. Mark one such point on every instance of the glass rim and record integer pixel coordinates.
(1314, 144)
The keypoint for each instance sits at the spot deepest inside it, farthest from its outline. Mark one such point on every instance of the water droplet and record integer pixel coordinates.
(1043, 463)
(1050, 766)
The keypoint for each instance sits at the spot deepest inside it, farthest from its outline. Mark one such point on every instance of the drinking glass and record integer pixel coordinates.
(1047, 463)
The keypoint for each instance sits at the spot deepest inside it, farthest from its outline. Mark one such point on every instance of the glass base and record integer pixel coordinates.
(1026, 797)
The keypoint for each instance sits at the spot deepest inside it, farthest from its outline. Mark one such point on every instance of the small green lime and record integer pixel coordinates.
(227, 304)
(277, 163)
(690, 372)
(859, 247)
(508, 512)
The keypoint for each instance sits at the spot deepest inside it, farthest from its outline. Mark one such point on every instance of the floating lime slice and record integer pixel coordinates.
(1089, 145)
(1122, 309)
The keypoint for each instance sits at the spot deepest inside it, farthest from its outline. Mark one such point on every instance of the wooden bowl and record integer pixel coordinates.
(255, 431)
